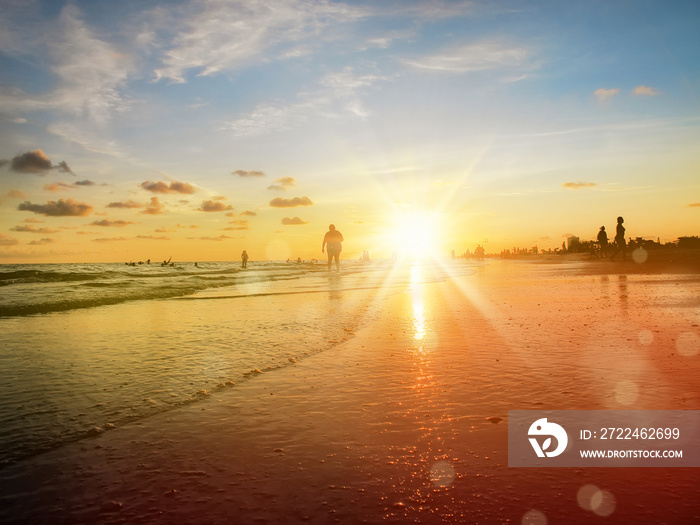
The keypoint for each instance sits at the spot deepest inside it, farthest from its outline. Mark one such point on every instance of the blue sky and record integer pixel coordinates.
(507, 123)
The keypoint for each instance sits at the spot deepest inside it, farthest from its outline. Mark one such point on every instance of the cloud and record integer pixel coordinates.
(90, 70)
(85, 183)
(219, 238)
(58, 186)
(34, 161)
(154, 208)
(173, 187)
(16, 194)
(290, 203)
(283, 183)
(339, 93)
(6, 240)
(63, 167)
(4, 162)
(293, 221)
(248, 173)
(109, 223)
(249, 213)
(480, 56)
(694, 205)
(214, 206)
(126, 205)
(644, 91)
(223, 36)
(110, 239)
(41, 242)
(238, 225)
(60, 208)
(578, 185)
(604, 94)
(32, 229)
(153, 237)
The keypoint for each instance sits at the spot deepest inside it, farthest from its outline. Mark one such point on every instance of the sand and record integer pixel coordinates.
(406, 420)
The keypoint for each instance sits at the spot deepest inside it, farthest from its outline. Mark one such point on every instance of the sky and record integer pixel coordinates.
(196, 129)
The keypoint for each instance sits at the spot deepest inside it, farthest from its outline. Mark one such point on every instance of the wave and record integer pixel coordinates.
(18, 310)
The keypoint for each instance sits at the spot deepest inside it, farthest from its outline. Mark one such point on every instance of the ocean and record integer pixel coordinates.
(86, 348)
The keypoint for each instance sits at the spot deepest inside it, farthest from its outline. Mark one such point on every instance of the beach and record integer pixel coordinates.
(399, 414)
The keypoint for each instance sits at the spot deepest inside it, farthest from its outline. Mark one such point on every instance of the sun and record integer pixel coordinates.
(416, 234)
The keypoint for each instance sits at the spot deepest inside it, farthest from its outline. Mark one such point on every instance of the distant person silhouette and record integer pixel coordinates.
(244, 259)
(332, 240)
(603, 242)
(620, 242)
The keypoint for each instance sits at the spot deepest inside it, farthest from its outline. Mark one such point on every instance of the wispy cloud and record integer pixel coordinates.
(238, 225)
(579, 185)
(248, 173)
(468, 58)
(90, 70)
(224, 36)
(218, 239)
(339, 93)
(6, 240)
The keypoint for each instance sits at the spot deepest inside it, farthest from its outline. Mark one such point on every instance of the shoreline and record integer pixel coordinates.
(404, 421)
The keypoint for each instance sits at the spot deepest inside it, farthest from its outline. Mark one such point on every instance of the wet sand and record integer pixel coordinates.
(406, 420)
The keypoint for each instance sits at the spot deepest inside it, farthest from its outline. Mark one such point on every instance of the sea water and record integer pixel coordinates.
(86, 348)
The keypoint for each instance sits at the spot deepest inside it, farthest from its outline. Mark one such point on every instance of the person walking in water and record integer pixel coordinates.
(620, 243)
(244, 259)
(332, 242)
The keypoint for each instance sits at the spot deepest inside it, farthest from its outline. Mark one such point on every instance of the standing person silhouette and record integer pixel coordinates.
(244, 259)
(603, 242)
(332, 240)
(620, 243)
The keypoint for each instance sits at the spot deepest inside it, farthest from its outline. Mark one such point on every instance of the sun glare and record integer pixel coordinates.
(416, 235)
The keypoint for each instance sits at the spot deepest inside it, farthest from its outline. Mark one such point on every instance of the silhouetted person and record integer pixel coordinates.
(620, 242)
(333, 240)
(603, 242)
(244, 259)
